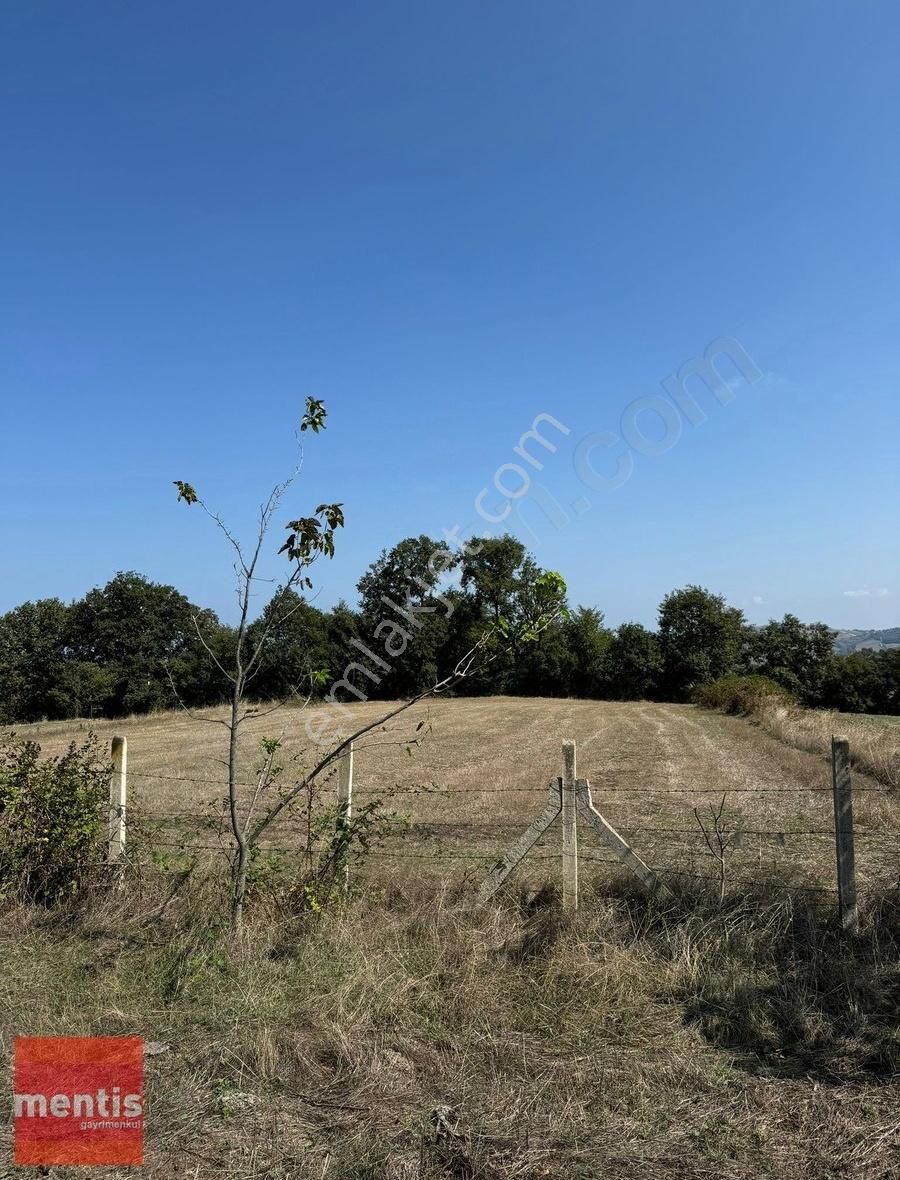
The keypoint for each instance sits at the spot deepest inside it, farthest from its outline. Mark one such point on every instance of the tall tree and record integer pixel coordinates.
(797, 655)
(588, 643)
(633, 664)
(508, 589)
(133, 628)
(405, 617)
(308, 538)
(295, 651)
(700, 638)
(495, 570)
(32, 658)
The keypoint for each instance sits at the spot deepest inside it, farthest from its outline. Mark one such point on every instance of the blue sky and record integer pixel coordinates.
(445, 220)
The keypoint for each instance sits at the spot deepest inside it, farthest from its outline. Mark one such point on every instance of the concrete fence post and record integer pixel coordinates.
(843, 834)
(569, 830)
(345, 797)
(118, 801)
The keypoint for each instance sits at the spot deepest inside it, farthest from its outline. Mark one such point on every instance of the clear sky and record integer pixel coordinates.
(445, 219)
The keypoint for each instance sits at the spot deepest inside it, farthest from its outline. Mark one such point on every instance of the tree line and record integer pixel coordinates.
(134, 646)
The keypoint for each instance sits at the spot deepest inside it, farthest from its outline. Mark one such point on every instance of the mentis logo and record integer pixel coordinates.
(79, 1100)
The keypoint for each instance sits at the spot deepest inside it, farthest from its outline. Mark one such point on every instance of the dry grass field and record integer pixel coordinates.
(875, 740)
(480, 769)
(404, 1034)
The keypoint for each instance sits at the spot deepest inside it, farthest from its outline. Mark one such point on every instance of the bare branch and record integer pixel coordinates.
(259, 714)
(190, 712)
(262, 780)
(723, 840)
(460, 672)
(220, 524)
(209, 651)
(272, 624)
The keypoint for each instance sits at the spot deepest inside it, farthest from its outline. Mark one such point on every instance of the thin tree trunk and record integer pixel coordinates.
(242, 854)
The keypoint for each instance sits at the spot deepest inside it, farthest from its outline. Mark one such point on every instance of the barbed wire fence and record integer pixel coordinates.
(814, 851)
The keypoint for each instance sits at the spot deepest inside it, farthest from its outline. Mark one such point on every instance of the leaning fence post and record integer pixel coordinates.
(569, 830)
(345, 800)
(843, 834)
(118, 797)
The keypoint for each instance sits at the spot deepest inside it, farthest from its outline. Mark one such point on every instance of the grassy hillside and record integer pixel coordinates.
(874, 741)
(406, 1033)
(850, 641)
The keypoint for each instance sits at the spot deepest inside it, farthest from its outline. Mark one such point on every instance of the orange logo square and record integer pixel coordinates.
(79, 1100)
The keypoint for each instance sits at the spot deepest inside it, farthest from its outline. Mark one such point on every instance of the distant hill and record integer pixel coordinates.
(850, 641)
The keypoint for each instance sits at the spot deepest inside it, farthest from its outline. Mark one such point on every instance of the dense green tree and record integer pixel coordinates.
(465, 624)
(410, 570)
(794, 654)
(135, 629)
(32, 658)
(700, 638)
(863, 682)
(405, 618)
(889, 697)
(81, 689)
(295, 649)
(197, 670)
(494, 570)
(853, 684)
(506, 588)
(633, 664)
(133, 645)
(342, 624)
(588, 643)
(544, 666)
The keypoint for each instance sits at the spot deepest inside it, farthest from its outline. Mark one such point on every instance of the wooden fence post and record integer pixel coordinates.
(569, 831)
(843, 834)
(118, 798)
(345, 797)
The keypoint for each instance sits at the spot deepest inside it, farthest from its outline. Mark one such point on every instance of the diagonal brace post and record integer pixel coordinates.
(527, 840)
(613, 840)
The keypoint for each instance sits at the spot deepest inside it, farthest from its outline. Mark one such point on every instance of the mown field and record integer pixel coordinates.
(475, 773)
(406, 1033)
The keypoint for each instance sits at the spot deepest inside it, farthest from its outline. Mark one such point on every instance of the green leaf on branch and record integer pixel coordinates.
(315, 416)
(185, 492)
(551, 587)
(313, 535)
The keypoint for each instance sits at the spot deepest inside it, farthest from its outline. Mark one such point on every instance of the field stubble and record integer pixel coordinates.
(477, 771)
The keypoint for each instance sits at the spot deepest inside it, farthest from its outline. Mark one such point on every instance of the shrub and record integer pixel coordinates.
(51, 818)
(740, 694)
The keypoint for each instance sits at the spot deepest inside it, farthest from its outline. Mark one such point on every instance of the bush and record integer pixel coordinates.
(740, 694)
(52, 818)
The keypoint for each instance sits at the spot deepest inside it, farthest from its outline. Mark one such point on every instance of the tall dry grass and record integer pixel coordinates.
(405, 1035)
(874, 743)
